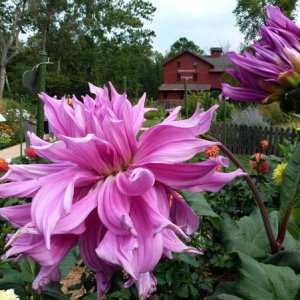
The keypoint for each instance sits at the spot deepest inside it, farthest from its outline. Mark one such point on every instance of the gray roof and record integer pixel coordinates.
(219, 64)
(180, 87)
(217, 61)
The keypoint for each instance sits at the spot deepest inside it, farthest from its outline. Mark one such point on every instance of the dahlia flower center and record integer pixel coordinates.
(113, 171)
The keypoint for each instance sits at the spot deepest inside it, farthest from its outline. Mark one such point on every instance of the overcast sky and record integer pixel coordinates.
(208, 23)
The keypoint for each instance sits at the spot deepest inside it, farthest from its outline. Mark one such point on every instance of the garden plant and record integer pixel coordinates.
(155, 213)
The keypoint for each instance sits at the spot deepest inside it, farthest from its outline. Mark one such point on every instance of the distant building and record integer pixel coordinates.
(203, 73)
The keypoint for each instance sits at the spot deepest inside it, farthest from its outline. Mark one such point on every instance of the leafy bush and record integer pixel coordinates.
(157, 114)
(250, 116)
(273, 113)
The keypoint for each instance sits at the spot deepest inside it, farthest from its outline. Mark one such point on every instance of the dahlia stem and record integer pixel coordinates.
(275, 247)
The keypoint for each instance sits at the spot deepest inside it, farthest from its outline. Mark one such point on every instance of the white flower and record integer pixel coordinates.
(8, 295)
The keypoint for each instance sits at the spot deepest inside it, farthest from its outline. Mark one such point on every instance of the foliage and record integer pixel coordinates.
(249, 117)
(183, 44)
(91, 41)
(259, 281)
(157, 114)
(273, 114)
(251, 14)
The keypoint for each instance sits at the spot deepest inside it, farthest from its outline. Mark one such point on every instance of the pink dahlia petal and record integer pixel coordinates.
(150, 244)
(243, 94)
(18, 215)
(32, 171)
(173, 244)
(186, 176)
(55, 152)
(199, 123)
(146, 285)
(135, 183)
(83, 152)
(47, 206)
(113, 208)
(182, 215)
(20, 189)
(118, 250)
(168, 144)
(138, 115)
(218, 180)
(88, 242)
(279, 20)
(74, 221)
(45, 275)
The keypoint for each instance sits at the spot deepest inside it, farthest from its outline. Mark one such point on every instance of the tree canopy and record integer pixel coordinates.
(251, 14)
(94, 41)
(183, 44)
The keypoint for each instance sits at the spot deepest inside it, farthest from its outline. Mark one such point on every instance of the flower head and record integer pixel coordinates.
(30, 153)
(278, 173)
(273, 72)
(259, 163)
(109, 191)
(212, 151)
(8, 295)
(264, 144)
(3, 165)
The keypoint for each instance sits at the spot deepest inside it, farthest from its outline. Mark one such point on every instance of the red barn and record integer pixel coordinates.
(203, 73)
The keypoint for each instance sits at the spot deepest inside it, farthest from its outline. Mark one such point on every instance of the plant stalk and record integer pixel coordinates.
(275, 247)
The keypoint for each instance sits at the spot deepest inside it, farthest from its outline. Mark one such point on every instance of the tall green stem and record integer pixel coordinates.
(275, 247)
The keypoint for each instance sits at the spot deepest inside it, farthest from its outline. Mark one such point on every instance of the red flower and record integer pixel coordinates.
(30, 152)
(259, 163)
(264, 144)
(3, 165)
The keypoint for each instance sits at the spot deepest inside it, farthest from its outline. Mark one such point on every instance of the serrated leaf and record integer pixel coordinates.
(198, 203)
(290, 187)
(248, 235)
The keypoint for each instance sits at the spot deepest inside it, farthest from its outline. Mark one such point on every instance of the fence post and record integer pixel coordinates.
(41, 86)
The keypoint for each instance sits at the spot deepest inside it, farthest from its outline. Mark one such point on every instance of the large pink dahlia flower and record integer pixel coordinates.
(109, 192)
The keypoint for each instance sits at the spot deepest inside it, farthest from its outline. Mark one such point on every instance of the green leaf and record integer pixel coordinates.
(248, 235)
(223, 297)
(198, 203)
(69, 262)
(10, 275)
(256, 280)
(290, 188)
(189, 259)
(286, 258)
(53, 291)
(90, 297)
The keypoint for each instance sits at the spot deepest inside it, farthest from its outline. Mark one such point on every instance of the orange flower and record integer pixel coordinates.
(30, 152)
(3, 166)
(212, 151)
(264, 144)
(259, 163)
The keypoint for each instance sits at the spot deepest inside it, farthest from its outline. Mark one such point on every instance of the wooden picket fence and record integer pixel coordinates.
(246, 140)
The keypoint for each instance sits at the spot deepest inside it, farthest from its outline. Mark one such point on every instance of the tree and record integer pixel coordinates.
(251, 14)
(11, 18)
(183, 44)
(93, 41)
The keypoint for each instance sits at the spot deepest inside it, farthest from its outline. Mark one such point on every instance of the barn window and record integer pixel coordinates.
(195, 77)
(178, 77)
(178, 64)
